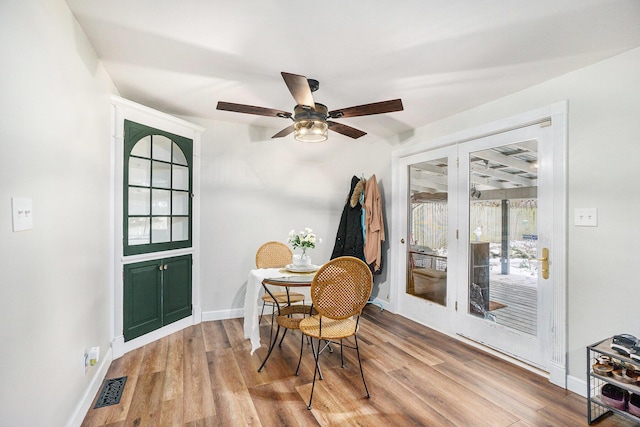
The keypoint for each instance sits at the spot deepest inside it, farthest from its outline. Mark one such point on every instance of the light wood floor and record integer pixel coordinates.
(205, 376)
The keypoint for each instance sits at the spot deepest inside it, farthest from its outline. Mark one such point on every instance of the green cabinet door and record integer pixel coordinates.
(156, 293)
(176, 289)
(142, 298)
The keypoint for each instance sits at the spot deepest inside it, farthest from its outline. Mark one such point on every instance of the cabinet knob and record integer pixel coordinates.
(402, 241)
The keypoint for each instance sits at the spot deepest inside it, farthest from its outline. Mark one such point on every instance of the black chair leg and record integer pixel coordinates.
(272, 319)
(285, 333)
(262, 312)
(360, 363)
(316, 356)
(300, 358)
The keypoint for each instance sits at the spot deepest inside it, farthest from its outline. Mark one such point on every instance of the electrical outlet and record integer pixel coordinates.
(94, 355)
(85, 362)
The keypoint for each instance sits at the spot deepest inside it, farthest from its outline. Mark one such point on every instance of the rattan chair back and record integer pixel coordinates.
(273, 255)
(341, 288)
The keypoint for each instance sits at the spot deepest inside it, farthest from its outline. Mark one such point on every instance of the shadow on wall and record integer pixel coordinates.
(238, 298)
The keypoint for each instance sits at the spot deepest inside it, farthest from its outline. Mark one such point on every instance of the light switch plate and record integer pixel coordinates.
(22, 208)
(586, 217)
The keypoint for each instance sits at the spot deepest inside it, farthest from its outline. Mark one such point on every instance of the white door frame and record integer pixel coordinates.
(124, 109)
(557, 113)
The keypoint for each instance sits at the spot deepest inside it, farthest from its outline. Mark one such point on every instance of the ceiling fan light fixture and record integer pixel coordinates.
(310, 131)
(310, 125)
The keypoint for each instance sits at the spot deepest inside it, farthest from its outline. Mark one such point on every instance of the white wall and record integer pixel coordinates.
(54, 279)
(255, 189)
(603, 154)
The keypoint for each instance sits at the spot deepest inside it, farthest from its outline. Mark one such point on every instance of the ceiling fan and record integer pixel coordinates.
(310, 118)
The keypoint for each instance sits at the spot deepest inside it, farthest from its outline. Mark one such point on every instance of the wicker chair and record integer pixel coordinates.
(340, 290)
(276, 255)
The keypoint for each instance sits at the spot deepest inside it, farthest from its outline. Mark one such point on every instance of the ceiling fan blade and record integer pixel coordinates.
(284, 132)
(368, 109)
(299, 88)
(345, 130)
(250, 109)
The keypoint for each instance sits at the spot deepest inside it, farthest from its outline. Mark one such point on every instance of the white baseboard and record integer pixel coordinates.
(94, 386)
(577, 385)
(234, 313)
(222, 314)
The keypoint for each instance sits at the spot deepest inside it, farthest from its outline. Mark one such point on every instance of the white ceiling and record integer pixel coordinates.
(440, 57)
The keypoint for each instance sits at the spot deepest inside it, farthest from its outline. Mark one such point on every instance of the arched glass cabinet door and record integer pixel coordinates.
(157, 190)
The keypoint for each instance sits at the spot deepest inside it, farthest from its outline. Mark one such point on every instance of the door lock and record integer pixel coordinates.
(545, 262)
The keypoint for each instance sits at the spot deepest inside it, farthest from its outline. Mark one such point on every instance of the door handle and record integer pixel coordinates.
(545, 262)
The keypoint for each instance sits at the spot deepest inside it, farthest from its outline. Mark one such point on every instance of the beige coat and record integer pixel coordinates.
(374, 223)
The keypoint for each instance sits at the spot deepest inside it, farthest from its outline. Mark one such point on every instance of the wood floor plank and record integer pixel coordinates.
(198, 397)
(127, 365)
(453, 399)
(400, 408)
(279, 403)
(155, 356)
(171, 414)
(206, 376)
(214, 336)
(232, 400)
(146, 405)
(174, 367)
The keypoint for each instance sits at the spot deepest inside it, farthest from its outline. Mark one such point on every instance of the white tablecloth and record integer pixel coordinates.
(251, 312)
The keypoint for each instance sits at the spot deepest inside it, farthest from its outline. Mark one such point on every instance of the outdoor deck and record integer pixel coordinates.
(521, 304)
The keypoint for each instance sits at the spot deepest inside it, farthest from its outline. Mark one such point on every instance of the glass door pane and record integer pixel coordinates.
(503, 202)
(428, 230)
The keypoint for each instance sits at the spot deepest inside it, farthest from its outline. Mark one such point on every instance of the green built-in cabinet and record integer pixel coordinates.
(157, 217)
(156, 293)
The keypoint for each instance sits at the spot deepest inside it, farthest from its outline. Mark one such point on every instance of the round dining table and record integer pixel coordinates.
(289, 281)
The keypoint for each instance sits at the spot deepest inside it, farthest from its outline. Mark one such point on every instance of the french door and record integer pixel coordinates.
(506, 228)
(482, 240)
(429, 292)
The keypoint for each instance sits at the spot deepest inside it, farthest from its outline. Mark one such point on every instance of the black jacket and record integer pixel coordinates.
(349, 239)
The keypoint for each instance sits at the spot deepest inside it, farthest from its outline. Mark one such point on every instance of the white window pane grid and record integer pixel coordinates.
(167, 212)
(178, 155)
(180, 178)
(161, 148)
(161, 202)
(160, 230)
(180, 203)
(142, 148)
(180, 229)
(138, 231)
(139, 202)
(139, 172)
(161, 175)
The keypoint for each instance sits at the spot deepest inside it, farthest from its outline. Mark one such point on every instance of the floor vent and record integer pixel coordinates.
(111, 392)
